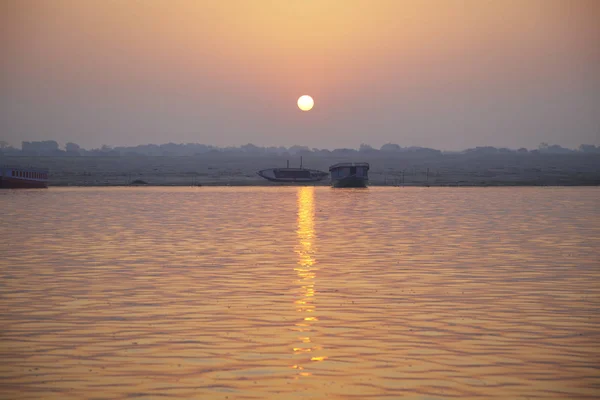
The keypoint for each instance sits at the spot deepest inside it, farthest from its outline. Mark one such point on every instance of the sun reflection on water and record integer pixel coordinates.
(306, 270)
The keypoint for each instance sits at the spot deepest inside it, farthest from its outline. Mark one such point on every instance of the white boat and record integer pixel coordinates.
(346, 175)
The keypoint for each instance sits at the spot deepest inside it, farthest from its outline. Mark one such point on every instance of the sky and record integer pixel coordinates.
(446, 74)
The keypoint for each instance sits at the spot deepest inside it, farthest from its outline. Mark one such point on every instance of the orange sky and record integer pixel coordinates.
(438, 73)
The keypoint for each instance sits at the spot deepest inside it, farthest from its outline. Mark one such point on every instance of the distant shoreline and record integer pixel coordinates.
(410, 170)
(267, 184)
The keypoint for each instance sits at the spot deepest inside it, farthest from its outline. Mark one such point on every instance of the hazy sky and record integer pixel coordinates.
(448, 74)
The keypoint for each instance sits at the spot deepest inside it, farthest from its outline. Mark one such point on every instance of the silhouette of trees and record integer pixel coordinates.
(50, 147)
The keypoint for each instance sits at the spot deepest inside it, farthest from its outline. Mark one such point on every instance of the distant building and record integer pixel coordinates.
(46, 147)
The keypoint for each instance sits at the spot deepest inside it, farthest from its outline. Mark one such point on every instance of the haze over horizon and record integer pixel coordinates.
(447, 75)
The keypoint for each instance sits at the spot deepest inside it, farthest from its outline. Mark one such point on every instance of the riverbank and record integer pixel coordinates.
(326, 184)
(240, 170)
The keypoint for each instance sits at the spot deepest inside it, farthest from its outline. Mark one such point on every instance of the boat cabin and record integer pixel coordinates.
(25, 177)
(343, 170)
(349, 175)
(24, 173)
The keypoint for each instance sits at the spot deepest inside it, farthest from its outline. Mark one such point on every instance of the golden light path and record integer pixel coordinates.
(306, 103)
(306, 270)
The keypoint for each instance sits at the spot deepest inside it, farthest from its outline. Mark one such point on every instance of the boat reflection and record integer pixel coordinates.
(306, 350)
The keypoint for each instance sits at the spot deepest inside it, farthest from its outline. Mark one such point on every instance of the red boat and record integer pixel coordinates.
(23, 178)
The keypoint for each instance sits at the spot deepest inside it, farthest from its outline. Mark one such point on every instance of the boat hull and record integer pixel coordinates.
(15, 183)
(350, 182)
(291, 180)
(291, 175)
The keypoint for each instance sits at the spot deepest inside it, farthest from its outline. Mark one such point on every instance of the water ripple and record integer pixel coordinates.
(269, 293)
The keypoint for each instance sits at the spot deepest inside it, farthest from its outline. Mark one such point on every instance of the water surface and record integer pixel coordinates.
(300, 293)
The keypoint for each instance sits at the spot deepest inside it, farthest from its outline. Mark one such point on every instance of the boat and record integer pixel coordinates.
(23, 178)
(349, 175)
(292, 175)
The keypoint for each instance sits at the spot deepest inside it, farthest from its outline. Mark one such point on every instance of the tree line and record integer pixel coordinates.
(52, 148)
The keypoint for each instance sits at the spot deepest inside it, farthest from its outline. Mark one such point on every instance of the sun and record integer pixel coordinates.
(305, 103)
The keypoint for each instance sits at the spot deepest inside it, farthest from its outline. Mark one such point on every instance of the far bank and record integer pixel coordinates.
(241, 170)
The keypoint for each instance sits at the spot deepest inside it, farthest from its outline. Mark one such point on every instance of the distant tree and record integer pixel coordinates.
(365, 148)
(423, 150)
(231, 149)
(589, 148)
(391, 147)
(72, 147)
(523, 150)
(553, 149)
(483, 150)
(250, 148)
(295, 149)
(343, 151)
(275, 150)
(104, 151)
(9, 150)
(6, 148)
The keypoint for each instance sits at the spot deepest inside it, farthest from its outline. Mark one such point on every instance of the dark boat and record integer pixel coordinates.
(349, 175)
(23, 178)
(292, 175)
